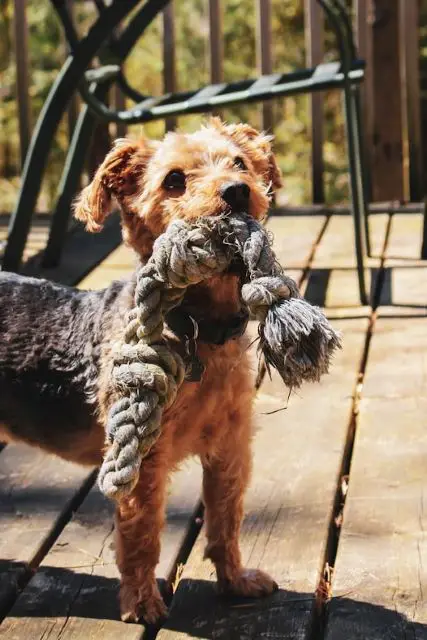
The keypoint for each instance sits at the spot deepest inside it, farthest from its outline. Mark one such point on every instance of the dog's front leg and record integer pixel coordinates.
(139, 521)
(225, 478)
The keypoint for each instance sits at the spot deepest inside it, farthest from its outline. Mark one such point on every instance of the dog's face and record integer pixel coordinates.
(218, 169)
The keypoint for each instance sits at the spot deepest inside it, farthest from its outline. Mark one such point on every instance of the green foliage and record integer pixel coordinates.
(144, 70)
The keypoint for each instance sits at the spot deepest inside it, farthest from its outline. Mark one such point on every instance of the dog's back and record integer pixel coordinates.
(50, 342)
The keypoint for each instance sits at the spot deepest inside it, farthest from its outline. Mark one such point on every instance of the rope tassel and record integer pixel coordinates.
(295, 337)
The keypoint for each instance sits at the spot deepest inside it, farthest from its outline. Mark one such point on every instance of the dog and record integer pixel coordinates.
(56, 351)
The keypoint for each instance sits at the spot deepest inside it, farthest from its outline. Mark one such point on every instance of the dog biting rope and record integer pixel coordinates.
(295, 337)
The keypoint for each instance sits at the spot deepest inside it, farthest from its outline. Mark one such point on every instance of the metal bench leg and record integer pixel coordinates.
(424, 242)
(356, 186)
(364, 173)
(82, 136)
(62, 90)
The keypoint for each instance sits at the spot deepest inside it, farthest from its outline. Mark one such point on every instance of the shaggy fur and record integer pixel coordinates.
(56, 353)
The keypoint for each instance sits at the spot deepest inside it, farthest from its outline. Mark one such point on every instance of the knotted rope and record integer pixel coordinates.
(295, 337)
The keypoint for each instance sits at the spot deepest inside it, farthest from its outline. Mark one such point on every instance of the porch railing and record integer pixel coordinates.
(388, 39)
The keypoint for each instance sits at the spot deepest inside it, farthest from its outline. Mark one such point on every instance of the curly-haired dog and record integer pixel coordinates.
(56, 351)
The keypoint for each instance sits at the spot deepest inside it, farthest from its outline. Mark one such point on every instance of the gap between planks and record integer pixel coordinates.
(380, 576)
(325, 585)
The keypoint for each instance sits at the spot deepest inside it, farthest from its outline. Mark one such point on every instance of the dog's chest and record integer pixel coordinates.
(204, 411)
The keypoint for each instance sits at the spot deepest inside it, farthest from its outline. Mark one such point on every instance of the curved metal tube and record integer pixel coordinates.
(60, 93)
(334, 9)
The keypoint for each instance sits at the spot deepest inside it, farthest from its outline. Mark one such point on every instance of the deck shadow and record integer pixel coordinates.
(199, 612)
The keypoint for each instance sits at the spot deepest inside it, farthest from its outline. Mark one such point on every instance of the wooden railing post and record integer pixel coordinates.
(73, 109)
(314, 19)
(264, 57)
(169, 65)
(216, 42)
(411, 92)
(387, 139)
(363, 28)
(22, 85)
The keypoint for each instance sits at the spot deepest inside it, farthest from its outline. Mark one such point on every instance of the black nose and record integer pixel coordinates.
(236, 194)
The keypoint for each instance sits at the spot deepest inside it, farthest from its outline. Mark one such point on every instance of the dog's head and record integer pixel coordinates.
(218, 169)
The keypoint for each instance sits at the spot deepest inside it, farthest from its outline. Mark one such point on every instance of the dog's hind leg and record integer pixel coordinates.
(139, 521)
(225, 478)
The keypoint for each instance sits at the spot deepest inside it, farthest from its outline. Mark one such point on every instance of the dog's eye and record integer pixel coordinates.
(239, 163)
(174, 180)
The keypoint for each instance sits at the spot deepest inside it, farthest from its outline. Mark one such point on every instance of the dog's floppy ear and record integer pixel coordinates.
(257, 146)
(117, 178)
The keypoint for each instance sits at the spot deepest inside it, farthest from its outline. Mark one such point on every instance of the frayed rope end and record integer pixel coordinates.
(297, 339)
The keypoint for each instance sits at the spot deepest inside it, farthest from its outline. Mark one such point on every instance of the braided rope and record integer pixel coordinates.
(295, 337)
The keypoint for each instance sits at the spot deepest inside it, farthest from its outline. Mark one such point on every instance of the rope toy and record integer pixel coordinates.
(295, 337)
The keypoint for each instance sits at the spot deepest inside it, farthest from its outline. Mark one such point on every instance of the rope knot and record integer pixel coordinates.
(261, 293)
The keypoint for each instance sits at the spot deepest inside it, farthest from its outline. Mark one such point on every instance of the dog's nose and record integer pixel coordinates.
(236, 194)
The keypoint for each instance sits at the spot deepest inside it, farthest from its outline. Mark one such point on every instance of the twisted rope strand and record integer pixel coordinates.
(295, 337)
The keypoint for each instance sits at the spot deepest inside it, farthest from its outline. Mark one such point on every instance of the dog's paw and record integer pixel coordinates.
(136, 605)
(249, 583)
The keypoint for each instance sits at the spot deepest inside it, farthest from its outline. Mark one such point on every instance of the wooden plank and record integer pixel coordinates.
(404, 246)
(119, 264)
(288, 507)
(387, 178)
(381, 574)
(22, 81)
(36, 239)
(74, 594)
(332, 281)
(404, 290)
(216, 43)
(264, 56)
(36, 491)
(381, 579)
(314, 19)
(294, 238)
(82, 252)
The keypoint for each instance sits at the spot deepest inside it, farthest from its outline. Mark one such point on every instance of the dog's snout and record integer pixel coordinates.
(236, 194)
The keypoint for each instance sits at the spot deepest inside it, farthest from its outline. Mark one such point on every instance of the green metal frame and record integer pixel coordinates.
(347, 74)
(61, 92)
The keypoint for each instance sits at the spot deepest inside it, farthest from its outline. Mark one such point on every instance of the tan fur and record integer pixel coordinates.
(210, 419)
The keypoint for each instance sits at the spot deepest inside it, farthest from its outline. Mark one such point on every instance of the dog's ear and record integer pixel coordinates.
(257, 146)
(118, 177)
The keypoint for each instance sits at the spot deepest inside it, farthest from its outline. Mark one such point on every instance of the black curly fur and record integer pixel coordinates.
(51, 338)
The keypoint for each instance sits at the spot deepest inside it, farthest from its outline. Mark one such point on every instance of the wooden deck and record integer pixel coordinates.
(337, 507)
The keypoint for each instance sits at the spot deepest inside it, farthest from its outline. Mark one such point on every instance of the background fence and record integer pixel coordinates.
(195, 41)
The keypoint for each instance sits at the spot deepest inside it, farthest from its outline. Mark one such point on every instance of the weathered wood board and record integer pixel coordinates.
(74, 593)
(36, 491)
(380, 583)
(333, 280)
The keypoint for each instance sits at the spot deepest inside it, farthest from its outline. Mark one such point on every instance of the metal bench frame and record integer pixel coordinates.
(347, 74)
